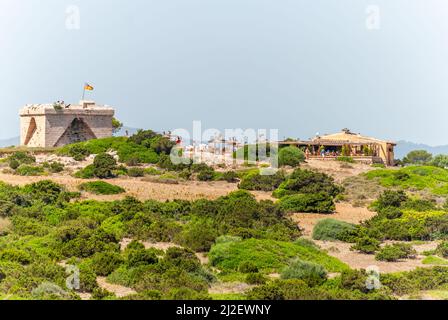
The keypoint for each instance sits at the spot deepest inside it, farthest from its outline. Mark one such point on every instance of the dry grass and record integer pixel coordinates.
(5, 225)
(360, 191)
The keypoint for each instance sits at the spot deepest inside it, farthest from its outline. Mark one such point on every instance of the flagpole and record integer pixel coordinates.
(83, 92)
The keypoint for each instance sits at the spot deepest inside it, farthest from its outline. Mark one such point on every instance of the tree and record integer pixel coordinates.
(103, 164)
(290, 156)
(418, 157)
(440, 160)
(116, 125)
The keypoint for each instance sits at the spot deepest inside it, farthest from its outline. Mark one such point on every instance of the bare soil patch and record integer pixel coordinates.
(119, 291)
(229, 287)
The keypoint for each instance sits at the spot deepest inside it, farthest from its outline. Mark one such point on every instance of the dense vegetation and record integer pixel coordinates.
(430, 178)
(145, 146)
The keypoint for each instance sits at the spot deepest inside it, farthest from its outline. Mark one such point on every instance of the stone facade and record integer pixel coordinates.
(43, 125)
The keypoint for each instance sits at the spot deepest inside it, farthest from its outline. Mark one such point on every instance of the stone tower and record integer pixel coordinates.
(54, 125)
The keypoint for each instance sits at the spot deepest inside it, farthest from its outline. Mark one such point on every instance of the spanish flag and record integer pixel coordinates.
(88, 87)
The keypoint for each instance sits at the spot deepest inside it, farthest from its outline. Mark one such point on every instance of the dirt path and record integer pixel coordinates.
(229, 287)
(119, 291)
(143, 190)
(356, 260)
(344, 212)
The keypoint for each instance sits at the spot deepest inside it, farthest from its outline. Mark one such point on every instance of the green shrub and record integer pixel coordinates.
(442, 249)
(290, 156)
(366, 245)
(46, 191)
(256, 181)
(311, 273)
(420, 205)
(255, 278)
(247, 267)
(206, 174)
(199, 234)
(103, 165)
(14, 164)
(100, 187)
(332, 229)
(85, 173)
(230, 176)
(268, 255)
(395, 252)
(27, 170)
(78, 152)
(318, 203)
(56, 167)
(104, 263)
(141, 257)
(132, 162)
(22, 157)
(307, 181)
(152, 171)
(136, 172)
(391, 198)
(15, 255)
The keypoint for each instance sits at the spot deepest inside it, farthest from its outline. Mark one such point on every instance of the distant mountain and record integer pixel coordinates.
(15, 141)
(404, 147)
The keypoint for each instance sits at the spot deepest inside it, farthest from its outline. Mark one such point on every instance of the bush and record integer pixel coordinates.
(100, 187)
(395, 252)
(46, 191)
(391, 198)
(27, 170)
(290, 156)
(206, 174)
(78, 152)
(104, 263)
(331, 230)
(247, 267)
(56, 167)
(103, 165)
(318, 203)
(132, 162)
(256, 181)
(14, 164)
(85, 173)
(141, 257)
(136, 172)
(311, 273)
(255, 278)
(199, 234)
(22, 157)
(420, 205)
(366, 245)
(307, 181)
(152, 171)
(442, 249)
(230, 176)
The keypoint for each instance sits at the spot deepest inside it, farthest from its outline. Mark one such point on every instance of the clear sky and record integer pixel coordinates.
(299, 66)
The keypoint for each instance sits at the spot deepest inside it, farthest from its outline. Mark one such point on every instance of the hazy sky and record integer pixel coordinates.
(299, 66)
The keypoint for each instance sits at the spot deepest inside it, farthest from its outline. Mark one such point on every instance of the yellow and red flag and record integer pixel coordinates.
(88, 87)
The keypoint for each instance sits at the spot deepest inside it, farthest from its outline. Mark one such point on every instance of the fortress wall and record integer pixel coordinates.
(60, 127)
(38, 137)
